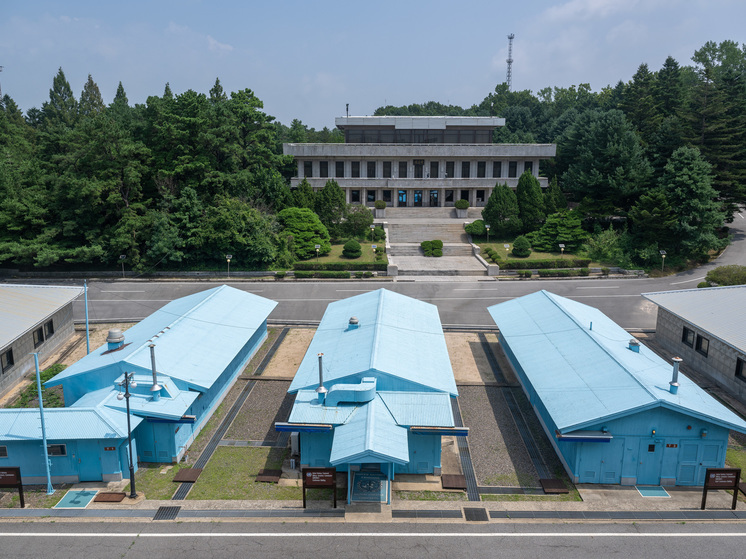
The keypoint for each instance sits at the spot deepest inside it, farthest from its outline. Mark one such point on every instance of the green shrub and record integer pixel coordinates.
(605, 271)
(379, 234)
(585, 272)
(352, 249)
(437, 243)
(732, 274)
(427, 247)
(367, 274)
(475, 227)
(703, 284)
(380, 205)
(306, 231)
(462, 204)
(437, 252)
(553, 263)
(303, 274)
(279, 275)
(495, 257)
(525, 274)
(328, 274)
(359, 275)
(311, 265)
(521, 247)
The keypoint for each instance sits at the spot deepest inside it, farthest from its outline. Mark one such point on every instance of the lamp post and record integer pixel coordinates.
(663, 259)
(122, 258)
(127, 383)
(562, 250)
(317, 252)
(488, 233)
(228, 259)
(507, 249)
(372, 228)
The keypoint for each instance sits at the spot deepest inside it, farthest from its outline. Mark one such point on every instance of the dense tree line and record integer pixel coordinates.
(657, 163)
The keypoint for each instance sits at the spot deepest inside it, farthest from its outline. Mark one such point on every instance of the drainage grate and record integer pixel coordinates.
(463, 449)
(167, 513)
(182, 491)
(476, 515)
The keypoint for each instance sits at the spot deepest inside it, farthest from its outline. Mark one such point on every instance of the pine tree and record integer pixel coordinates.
(91, 102)
(501, 212)
(530, 202)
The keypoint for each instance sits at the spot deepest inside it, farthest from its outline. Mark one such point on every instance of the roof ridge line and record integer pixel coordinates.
(377, 330)
(599, 344)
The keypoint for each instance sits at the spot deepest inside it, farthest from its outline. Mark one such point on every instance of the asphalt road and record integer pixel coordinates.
(452, 541)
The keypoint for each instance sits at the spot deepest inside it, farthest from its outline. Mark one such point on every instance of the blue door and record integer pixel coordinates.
(402, 198)
(649, 462)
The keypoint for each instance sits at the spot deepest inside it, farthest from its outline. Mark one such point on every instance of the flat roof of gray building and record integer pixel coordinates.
(22, 307)
(718, 311)
(419, 122)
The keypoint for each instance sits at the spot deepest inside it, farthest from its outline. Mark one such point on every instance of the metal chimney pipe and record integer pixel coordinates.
(321, 391)
(155, 390)
(675, 379)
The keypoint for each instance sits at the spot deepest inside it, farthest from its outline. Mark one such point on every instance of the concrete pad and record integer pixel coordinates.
(461, 347)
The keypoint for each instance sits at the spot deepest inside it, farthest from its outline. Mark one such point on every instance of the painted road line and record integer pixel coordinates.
(284, 535)
(600, 287)
(102, 291)
(686, 281)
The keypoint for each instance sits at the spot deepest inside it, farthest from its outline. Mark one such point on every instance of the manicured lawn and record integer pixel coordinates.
(231, 474)
(154, 484)
(430, 495)
(335, 255)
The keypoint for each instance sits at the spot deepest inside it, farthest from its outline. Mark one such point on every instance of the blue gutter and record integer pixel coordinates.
(303, 427)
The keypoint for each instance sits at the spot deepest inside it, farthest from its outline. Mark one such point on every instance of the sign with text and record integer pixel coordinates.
(11, 477)
(319, 477)
(722, 478)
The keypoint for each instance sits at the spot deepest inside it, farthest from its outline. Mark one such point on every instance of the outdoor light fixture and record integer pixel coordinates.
(653, 434)
(128, 383)
(122, 258)
(562, 250)
(317, 251)
(507, 248)
(703, 433)
(663, 259)
(488, 232)
(228, 258)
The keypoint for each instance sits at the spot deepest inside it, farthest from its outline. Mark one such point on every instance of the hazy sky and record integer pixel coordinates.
(306, 59)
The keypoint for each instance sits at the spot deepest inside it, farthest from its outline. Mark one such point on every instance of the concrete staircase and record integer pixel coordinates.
(429, 213)
(418, 232)
(413, 249)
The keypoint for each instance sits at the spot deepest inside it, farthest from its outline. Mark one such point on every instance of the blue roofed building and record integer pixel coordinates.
(185, 357)
(615, 412)
(374, 390)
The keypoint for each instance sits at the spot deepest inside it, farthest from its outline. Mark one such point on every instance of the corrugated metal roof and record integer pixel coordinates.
(425, 409)
(397, 337)
(196, 337)
(719, 311)
(64, 424)
(371, 434)
(306, 409)
(23, 307)
(573, 353)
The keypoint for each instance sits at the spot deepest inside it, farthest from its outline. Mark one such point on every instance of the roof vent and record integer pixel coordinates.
(353, 323)
(674, 384)
(321, 390)
(155, 390)
(634, 345)
(115, 339)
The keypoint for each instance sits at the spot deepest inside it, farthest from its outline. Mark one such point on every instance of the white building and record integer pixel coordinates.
(417, 161)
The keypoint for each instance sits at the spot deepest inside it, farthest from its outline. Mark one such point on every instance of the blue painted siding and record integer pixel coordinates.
(424, 455)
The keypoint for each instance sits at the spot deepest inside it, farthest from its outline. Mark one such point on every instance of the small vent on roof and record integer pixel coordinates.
(115, 339)
(634, 345)
(674, 384)
(353, 323)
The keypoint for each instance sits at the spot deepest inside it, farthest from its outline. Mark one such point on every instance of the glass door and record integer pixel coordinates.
(434, 202)
(402, 198)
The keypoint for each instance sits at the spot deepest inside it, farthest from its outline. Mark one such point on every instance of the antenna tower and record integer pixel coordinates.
(1, 85)
(509, 60)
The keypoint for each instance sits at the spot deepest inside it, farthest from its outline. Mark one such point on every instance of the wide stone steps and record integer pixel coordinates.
(444, 271)
(414, 249)
(416, 233)
(429, 213)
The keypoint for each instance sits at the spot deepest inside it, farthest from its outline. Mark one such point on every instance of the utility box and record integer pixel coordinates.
(294, 443)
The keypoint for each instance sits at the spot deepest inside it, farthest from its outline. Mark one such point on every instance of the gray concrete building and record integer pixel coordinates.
(33, 319)
(707, 329)
(417, 161)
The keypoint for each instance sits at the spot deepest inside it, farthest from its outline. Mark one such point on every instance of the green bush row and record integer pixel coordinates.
(539, 264)
(563, 273)
(337, 266)
(321, 274)
(432, 248)
(363, 274)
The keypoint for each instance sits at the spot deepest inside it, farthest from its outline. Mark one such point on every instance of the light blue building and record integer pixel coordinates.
(185, 357)
(615, 412)
(387, 389)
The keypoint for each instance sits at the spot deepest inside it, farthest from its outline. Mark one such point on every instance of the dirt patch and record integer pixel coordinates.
(288, 356)
(468, 358)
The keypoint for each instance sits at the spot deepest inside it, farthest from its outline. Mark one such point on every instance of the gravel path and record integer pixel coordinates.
(267, 403)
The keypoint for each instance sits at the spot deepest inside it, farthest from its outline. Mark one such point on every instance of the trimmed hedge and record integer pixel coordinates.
(525, 274)
(437, 243)
(543, 264)
(563, 273)
(338, 266)
(380, 205)
(321, 274)
(352, 249)
(279, 275)
(462, 204)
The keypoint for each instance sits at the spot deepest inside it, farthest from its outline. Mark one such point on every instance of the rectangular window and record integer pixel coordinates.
(387, 136)
(465, 169)
(355, 169)
(481, 169)
(687, 337)
(3, 451)
(355, 196)
(402, 169)
(703, 345)
(450, 136)
(48, 329)
(528, 166)
(512, 169)
(387, 169)
(38, 337)
(480, 196)
(308, 168)
(339, 168)
(740, 369)
(324, 169)
(6, 360)
(57, 449)
(497, 169)
(467, 137)
(450, 169)
(386, 196)
(449, 195)
(370, 195)
(434, 170)
(371, 171)
(483, 137)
